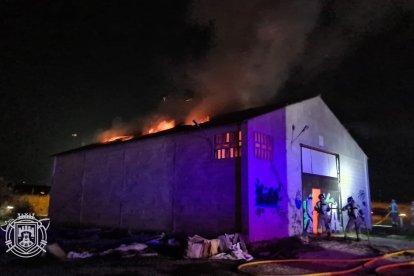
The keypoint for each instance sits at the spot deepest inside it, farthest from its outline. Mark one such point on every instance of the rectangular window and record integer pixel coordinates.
(228, 145)
(263, 146)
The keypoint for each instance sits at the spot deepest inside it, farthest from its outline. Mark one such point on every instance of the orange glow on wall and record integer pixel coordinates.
(315, 194)
(227, 145)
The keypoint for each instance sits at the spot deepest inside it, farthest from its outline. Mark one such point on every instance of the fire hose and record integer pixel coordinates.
(366, 263)
(386, 216)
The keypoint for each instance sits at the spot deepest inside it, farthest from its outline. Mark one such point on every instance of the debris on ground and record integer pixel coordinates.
(81, 255)
(164, 253)
(131, 247)
(225, 247)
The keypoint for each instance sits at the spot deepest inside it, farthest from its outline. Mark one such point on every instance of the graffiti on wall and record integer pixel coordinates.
(296, 218)
(298, 199)
(282, 212)
(362, 197)
(267, 196)
(270, 197)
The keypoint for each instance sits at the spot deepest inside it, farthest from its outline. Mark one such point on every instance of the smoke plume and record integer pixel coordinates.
(256, 44)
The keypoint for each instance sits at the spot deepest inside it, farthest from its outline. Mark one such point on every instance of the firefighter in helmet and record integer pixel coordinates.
(322, 208)
(355, 215)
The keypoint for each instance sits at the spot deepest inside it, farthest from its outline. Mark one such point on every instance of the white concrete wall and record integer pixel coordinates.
(267, 222)
(327, 133)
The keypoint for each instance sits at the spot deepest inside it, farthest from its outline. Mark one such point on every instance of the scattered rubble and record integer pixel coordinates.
(105, 251)
(225, 247)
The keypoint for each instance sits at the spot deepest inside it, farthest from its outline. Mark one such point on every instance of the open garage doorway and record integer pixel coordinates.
(320, 175)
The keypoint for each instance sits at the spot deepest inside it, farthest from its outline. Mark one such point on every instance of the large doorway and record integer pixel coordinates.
(320, 172)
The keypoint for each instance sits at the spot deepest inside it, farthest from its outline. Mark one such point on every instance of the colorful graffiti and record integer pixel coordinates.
(267, 196)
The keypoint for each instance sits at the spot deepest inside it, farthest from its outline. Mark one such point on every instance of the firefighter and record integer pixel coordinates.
(335, 227)
(323, 218)
(355, 216)
(394, 213)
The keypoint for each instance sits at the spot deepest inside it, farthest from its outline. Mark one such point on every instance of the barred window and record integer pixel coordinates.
(263, 146)
(228, 145)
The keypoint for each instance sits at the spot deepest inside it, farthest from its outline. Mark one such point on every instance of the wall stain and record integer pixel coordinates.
(260, 211)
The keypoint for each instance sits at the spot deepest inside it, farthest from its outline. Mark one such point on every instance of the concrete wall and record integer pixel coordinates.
(207, 191)
(327, 133)
(66, 191)
(170, 183)
(267, 178)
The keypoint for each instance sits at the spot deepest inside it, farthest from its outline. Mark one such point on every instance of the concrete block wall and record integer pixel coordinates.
(267, 221)
(66, 190)
(148, 177)
(206, 194)
(100, 199)
(168, 183)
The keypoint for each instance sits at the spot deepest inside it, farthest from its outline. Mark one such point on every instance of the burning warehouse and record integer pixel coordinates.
(249, 172)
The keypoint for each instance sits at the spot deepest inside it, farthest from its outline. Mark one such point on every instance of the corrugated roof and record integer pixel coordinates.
(219, 120)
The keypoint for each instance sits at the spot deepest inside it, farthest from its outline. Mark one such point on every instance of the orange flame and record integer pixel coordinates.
(199, 118)
(108, 138)
(160, 126)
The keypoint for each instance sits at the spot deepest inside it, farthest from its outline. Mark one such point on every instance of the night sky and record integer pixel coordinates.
(82, 66)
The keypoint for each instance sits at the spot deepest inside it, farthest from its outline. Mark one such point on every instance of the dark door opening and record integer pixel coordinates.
(312, 186)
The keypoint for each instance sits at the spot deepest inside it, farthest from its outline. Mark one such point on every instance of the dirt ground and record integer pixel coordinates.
(170, 261)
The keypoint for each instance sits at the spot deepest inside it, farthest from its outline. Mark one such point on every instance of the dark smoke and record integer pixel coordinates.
(257, 44)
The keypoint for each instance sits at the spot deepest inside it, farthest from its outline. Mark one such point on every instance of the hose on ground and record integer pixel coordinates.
(366, 263)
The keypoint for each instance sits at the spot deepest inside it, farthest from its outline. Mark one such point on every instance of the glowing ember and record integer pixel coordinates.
(118, 138)
(160, 126)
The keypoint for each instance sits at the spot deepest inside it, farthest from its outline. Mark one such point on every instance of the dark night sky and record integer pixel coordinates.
(76, 66)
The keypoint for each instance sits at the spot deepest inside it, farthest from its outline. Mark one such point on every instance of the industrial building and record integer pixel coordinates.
(247, 172)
